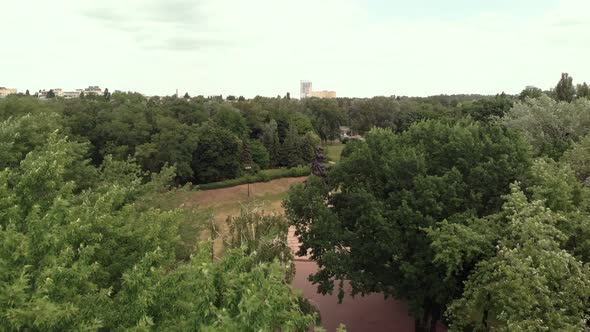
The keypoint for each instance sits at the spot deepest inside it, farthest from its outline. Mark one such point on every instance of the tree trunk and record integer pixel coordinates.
(429, 320)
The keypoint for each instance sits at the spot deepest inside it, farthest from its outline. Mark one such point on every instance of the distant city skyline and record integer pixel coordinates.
(263, 47)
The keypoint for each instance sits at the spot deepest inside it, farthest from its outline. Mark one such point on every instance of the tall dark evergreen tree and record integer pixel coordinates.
(565, 90)
(290, 148)
(317, 165)
(107, 94)
(583, 91)
(246, 154)
(270, 139)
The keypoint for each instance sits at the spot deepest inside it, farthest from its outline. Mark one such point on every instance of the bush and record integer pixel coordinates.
(262, 176)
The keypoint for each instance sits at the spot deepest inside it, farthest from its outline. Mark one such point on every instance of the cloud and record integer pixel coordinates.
(571, 23)
(182, 44)
(147, 11)
(156, 24)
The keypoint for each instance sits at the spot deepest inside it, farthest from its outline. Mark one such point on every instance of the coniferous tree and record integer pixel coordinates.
(270, 139)
(317, 165)
(565, 90)
(583, 90)
(290, 149)
(246, 154)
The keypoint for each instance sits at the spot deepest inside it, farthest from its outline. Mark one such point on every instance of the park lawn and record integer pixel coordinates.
(212, 207)
(333, 150)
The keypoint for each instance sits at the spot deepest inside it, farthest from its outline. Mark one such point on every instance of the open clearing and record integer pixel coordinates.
(225, 202)
(368, 313)
(333, 151)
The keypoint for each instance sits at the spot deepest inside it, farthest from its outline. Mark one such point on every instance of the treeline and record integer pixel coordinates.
(210, 140)
(482, 222)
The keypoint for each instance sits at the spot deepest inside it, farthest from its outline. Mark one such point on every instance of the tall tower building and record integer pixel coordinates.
(305, 89)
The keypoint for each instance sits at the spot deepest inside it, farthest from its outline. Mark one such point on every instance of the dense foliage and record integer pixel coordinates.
(92, 256)
(481, 222)
(473, 209)
(209, 140)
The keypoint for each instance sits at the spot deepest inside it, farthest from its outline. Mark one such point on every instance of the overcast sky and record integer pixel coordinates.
(355, 47)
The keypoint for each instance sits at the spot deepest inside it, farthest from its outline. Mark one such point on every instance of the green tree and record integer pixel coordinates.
(565, 89)
(583, 90)
(307, 146)
(530, 92)
(367, 222)
(271, 141)
(50, 94)
(103, 260)
(172, 144)
(290, 149)
(548, 125)
(578, 157)
(231, 119)
(531, 284)
(259, 154)
(487, 109)
(187, 96)
(107, 94)
(326, 117)
(217, 155)
(382, 112)
(246, 154)
(21, 135)
(27, 93)
(301, 122)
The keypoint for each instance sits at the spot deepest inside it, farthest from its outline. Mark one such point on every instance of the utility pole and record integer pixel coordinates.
(248, 168)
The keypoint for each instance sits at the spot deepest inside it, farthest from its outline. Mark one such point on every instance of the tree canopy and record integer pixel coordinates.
(367, 223)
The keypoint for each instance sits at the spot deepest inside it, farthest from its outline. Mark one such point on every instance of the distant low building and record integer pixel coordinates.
(323, 94)
(345, 131)
(6, 91)
(306, 91)
(72, 94)
(58, 92)
(93, 90)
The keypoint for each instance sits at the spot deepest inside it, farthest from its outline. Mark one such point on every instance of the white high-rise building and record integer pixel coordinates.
(305, 89)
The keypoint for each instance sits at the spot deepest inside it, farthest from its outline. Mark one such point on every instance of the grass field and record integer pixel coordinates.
(333, 150)
(218, 204)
